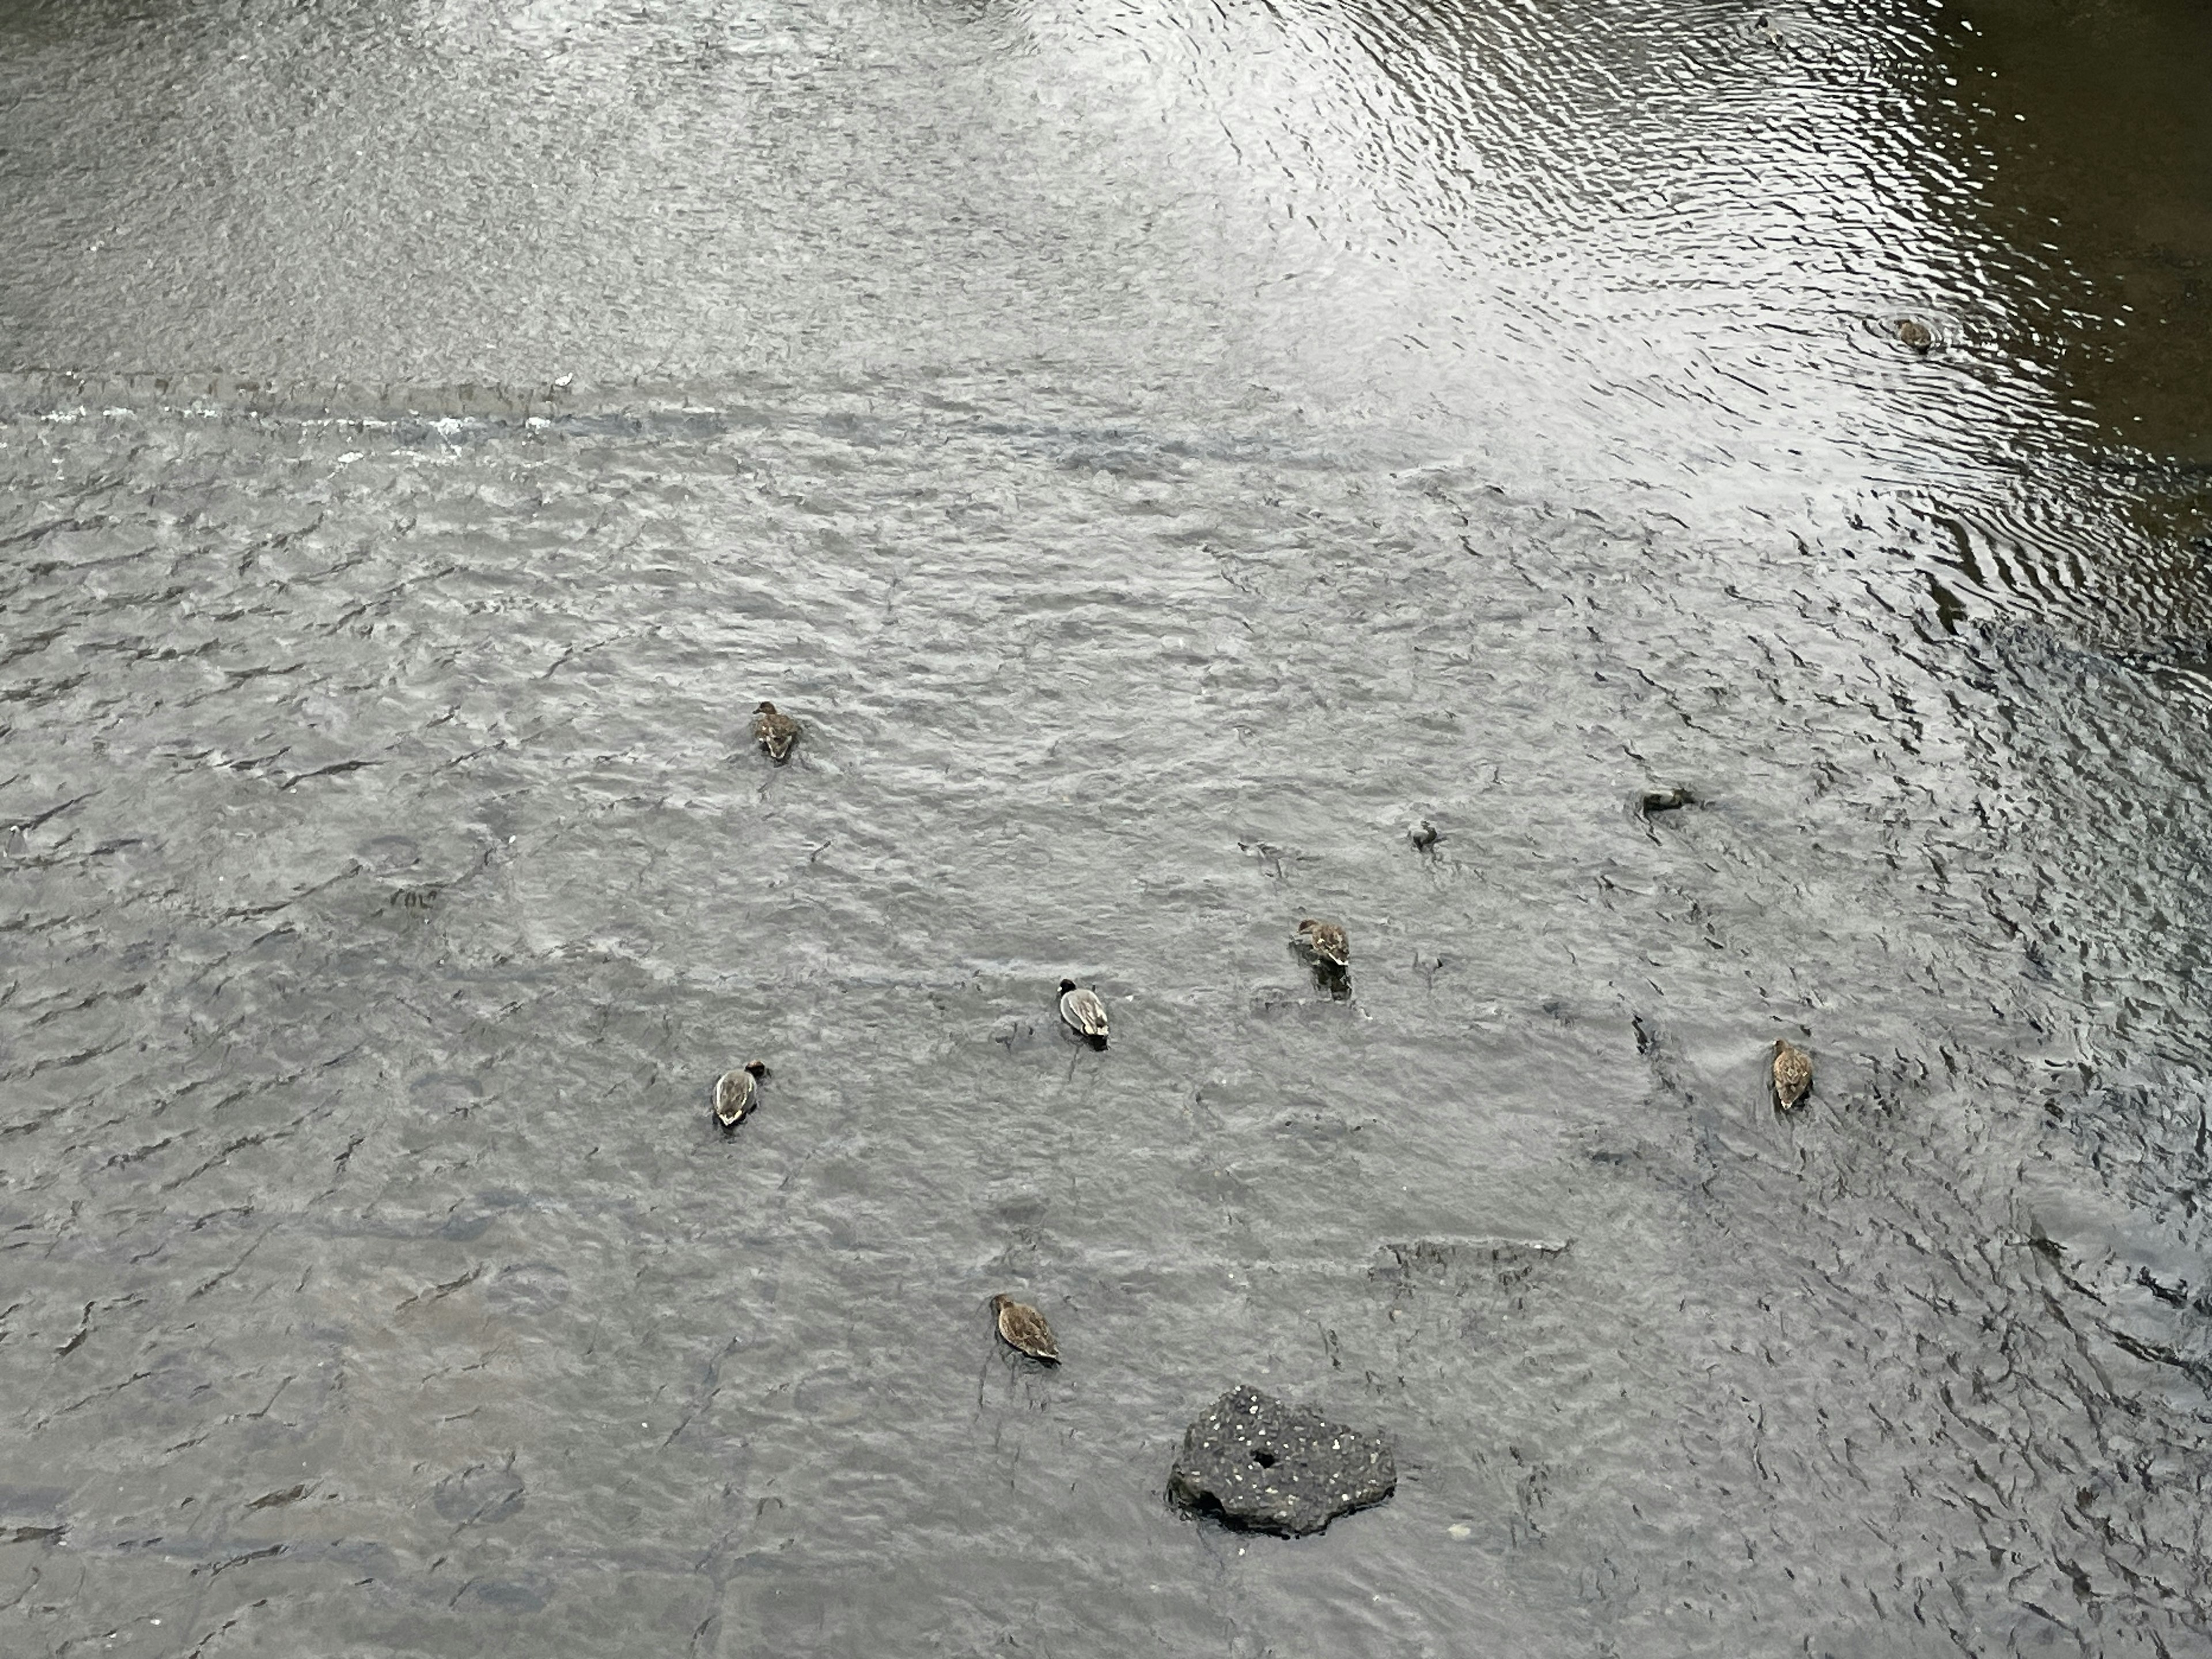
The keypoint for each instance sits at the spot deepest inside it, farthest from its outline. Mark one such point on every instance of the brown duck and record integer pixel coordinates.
(1022, 1327)
(1326, 941)
(1793, 1075)
(736, 1093)
(775, 731)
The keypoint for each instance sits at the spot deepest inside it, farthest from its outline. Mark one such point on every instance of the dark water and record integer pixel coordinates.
(1163, 454)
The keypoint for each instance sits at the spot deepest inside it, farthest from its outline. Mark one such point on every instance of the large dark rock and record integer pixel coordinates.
(1256, 1462)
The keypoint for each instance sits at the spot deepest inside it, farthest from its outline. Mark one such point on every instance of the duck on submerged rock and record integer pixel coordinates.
(775, 731)
(1084, 1013)
(1022, 1329)
(736, 1093)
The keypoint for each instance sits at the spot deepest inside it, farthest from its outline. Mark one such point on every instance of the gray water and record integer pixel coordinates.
(1163, 454)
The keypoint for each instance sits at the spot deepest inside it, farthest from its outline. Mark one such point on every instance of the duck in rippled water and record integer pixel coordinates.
(1084, 1014)
(1022, 1329)
(1793, 1075)
(775, 731)
(1327, 942)
(736, 1093)
(1913, 335)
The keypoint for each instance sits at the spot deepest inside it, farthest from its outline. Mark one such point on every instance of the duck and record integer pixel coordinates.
(1022, 1329)
(1793, 1075)
(1914, 335)
(1426, 836)
(775, 731)
(736, 1093)
(1326, 941)
(1084, 1014)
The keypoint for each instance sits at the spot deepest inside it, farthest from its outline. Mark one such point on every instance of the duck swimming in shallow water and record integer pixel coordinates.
(1793, 1075)
(1326, 941)
(1022, 1329)
(1084, 1014)
(775, 731)
(736, 1093)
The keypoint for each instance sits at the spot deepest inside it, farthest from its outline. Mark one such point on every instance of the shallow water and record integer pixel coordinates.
(1163, 454)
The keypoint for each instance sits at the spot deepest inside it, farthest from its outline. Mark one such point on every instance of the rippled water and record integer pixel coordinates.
(1163, 454)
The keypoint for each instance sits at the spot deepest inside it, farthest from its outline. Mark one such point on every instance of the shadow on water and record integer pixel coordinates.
(1924, 234)
(2092, 137)
(2088, 146)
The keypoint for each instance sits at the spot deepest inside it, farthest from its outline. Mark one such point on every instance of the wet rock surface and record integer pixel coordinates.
(1253, 1461)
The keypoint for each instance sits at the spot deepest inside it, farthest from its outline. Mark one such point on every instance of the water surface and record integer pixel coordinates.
(1163, 454)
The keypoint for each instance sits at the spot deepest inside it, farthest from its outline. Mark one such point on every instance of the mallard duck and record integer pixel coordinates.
(1326, 941)
(1084, 1014)
(1022, 1327)
(736, 1093)
(775, 731)
(1793, 1075)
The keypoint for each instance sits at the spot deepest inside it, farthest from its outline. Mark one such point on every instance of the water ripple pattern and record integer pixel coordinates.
(1164, 455)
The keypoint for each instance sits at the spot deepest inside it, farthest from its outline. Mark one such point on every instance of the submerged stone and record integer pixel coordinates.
(479, 1494)
(1253, 1462)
